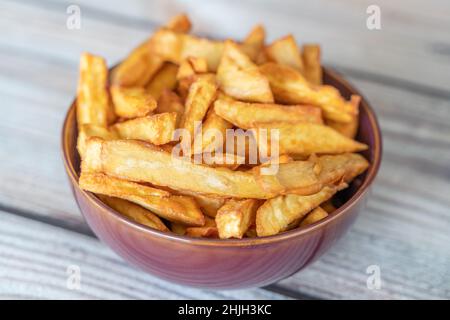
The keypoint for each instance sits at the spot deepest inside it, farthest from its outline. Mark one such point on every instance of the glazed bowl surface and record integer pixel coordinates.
(227, 264)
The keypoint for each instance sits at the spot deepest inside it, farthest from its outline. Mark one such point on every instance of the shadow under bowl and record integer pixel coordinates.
(227, 264)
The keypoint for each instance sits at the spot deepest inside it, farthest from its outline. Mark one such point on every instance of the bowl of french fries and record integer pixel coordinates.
(219, 163)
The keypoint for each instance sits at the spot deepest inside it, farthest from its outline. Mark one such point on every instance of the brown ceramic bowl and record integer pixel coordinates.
(226, 264)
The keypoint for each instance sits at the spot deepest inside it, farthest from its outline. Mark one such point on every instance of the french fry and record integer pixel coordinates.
(138, 68)
(93, 103)
(316, 215)
(254, 42)
(286, 52)
(304, 138)
(179, 23)
(143, 62)
(328, 206)
(135, 212)
(209, 204)
(209, 230)
(290, 87)
(157, 129)
(132, 102)
(235, 217)
(221, 160)
(141, 162)
(89, 130)
(173, 208)
(185, 83)
(169, 101)
(212, 126)
(348, 129)
(246, 115)
(178, 228)
(191, 66)
(311, 60)
(165, 78)
(240, 78)
(201, 94)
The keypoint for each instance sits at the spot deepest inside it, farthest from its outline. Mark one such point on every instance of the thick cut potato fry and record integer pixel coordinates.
(191, 66)
(138, 68)
(254, 42)
(132, 102)
(207, 139)
(246, 115)
(201, 94)
(316, 215)
(173, 208)
(348, 129)
(143, 62)
(311, 60)
(285, 51)
(157, 129)
(290, 87)
(304, 138)
(89, 130)
(141, 162)
(328, 206)
(93, 103)
(240, 78)
(179, 23)
(169, 101)
(165, 78)
(178, 228)
(135, 212)
(235, 217)
(209, 204)
(276, 214)
(220, 160)
(209, 230)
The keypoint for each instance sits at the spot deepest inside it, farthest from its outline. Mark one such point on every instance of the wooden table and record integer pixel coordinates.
(403, 69)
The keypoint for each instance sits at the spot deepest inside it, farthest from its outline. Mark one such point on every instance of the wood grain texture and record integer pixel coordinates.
(405, 227)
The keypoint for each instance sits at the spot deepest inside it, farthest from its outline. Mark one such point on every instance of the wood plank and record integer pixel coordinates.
(404, 228)
(34, 266)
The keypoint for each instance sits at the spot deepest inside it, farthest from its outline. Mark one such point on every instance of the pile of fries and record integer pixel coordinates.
(128, 123)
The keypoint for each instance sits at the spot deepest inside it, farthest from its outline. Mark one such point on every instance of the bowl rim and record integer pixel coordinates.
(297, 232)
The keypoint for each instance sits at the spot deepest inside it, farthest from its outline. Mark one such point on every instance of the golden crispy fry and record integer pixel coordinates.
(209, 230)
(276, 214)
(190, 66)
(316, 215)
(240, 78)
(246, 115)
(141, 162)
(328, 206)
(201, 94)
(348, 129)
(209, 204)
(235, 217)
(165, 78)
(132, 102)
(157, 129)
(93, 103)
(311, 60)
(138, 68)
(221, 160)
(285, 51)
(207, 139)
(179, 23)
(89, 130)
(185, 83)
(143, 63)
(169, 101)
(135, 212)
(304, 139)
(290, 87)
(254, 42)
(173, 208)
(178, 228)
